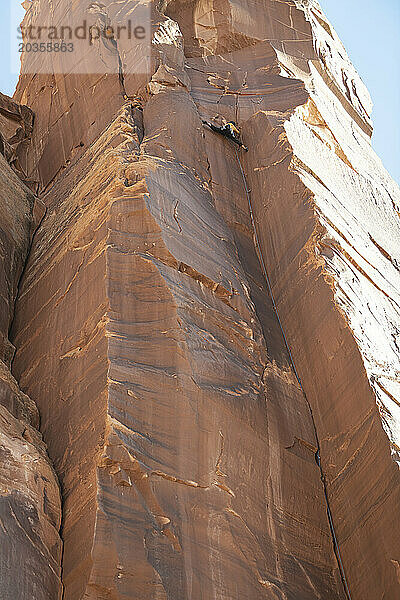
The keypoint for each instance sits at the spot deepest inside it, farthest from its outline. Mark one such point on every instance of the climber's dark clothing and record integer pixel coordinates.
(228, 130)
(231, 130)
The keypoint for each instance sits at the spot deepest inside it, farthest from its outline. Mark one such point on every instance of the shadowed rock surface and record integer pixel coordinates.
(30, 508)
(208, 332)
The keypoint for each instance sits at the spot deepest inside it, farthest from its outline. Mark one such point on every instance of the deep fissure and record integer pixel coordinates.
(317, 454)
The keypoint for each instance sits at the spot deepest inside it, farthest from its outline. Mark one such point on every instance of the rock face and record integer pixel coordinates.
(30, 508)
(209, 333)
(16, 124)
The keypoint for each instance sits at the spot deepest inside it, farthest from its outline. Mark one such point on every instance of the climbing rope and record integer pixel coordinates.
(317, 455)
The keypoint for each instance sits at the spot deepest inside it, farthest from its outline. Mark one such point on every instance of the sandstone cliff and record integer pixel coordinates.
(212, 336)
(30, 508)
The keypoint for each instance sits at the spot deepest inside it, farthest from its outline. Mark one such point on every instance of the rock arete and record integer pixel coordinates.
(211, 336)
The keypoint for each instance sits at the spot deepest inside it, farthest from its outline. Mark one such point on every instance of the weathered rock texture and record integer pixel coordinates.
(146, 332)
(16, 125)
(30, 509)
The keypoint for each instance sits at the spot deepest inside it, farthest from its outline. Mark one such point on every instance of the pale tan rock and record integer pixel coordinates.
(30, 510)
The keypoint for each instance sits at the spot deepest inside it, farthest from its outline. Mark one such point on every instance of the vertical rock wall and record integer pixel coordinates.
(30, 511)
(146, 332)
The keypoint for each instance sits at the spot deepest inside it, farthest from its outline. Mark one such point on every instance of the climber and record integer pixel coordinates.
(229, 130)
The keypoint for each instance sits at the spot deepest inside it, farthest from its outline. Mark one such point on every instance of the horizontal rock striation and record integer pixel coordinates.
(162, 383)
(198, 326)
(30, 510)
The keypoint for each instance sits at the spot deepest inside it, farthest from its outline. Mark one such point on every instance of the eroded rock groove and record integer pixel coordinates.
(203, 358)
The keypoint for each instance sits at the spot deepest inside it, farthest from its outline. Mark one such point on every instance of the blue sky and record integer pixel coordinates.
(370, 30)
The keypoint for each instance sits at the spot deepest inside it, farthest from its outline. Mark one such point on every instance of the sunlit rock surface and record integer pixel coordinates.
(185, 445)
(30, 509)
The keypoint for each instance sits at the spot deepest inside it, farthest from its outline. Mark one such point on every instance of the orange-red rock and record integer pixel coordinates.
(30, 509)
(147, 334)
